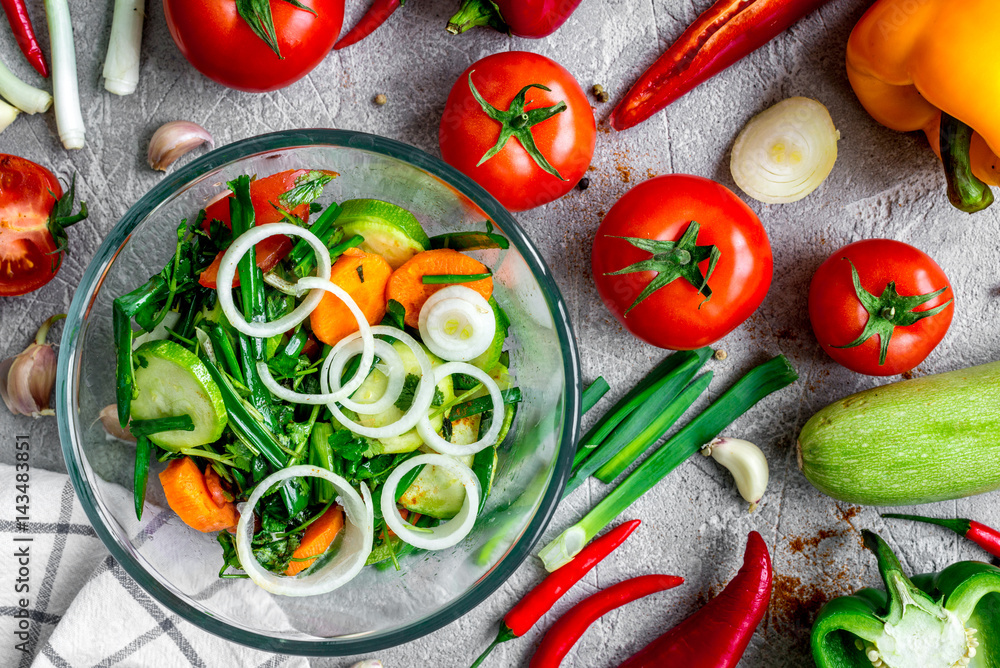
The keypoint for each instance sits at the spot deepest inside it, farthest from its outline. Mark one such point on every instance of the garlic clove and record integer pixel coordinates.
(109, 419)
(747, 464)
(368, 663)
(29, 380)
(174, 139)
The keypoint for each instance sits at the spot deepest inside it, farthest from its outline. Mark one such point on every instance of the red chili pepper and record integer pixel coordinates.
(20, 23)
(727, 32)
(717, 635)
(564, 633)
(373, 18)
(523, 18)
(540, 600)
(980, 534)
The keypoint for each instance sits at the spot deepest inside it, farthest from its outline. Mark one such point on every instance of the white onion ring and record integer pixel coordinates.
(227, 273)
(457, 301)
(367, 355)
(429, 434)
(444, 535)
(333, 369)
(359, 532)
(422, 398)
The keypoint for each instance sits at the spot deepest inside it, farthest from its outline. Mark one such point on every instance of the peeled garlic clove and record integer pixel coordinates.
(368, 663)
(109, 418)
(747, 464)
(174, 139)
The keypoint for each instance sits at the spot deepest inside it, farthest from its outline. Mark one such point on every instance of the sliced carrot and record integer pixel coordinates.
(406, 285)
(364, 277)
(317, 539)
(188, 495)
(214, 484)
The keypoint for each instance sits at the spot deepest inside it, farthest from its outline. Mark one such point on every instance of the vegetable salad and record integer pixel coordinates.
(325, 395)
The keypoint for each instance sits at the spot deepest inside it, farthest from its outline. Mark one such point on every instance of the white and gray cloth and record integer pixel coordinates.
(82, 609)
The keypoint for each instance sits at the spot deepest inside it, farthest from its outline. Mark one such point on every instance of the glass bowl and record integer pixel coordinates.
(179, 566)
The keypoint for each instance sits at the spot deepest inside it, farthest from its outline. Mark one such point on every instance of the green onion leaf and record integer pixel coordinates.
(444, 279)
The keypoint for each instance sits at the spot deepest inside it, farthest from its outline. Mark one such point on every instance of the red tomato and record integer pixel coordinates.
(263, 192)
(29, 255)
(839, 318)
(677, 315)
(512, 176)
(220, 44)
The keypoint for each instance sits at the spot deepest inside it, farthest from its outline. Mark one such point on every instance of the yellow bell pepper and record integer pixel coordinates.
(934, 65)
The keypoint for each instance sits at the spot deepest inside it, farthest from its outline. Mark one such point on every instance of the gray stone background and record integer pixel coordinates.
(884, 185)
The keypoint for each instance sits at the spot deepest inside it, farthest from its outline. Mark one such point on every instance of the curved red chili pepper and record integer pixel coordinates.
(523, 18)
(564, 633)
(717, 635)
(985, 537)
(540, 600)
(373, 18)
(20, 23)
(727, 32)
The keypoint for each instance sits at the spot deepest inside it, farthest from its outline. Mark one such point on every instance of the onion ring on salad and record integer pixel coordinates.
(457, 324)
(434, 440)
(367, 354)
(333, 369)
(422, 398)
(227, 273)
(447, 534)
(359, 532)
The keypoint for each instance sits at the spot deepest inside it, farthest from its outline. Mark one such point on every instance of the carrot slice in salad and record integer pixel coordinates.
(406, 285)
(188, 496)
(364, 277)
(316, 539)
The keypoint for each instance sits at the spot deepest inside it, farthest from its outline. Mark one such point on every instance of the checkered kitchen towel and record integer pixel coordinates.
(65, 602)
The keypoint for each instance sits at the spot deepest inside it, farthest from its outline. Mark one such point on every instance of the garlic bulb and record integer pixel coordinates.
(26, 380)
(747, 464)
(173, 140)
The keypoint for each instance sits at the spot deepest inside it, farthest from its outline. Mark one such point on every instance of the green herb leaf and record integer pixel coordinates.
(405, 399)
(348, 446)
(308, 188)
(395, 315)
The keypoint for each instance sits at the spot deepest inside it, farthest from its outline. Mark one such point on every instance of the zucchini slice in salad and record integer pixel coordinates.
(436, 491)
(389, 230)
(171, 380)
(374, 386)
(491, 356)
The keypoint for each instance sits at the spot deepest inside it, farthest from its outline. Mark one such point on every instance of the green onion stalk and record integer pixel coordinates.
(27, 98)
(7, 115)
(65, 86)
(121, 67)
(741, 397)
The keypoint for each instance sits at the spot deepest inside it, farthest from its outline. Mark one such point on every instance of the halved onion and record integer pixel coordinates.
(444, 535)
(367, 354)
(333, 369)
(227, 273)
(785, 152)
(359, 531)
(457, 324)
(422, 398)
(434, 440)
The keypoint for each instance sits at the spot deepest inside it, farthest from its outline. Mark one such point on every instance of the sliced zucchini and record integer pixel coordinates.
(389, 230)
(436, 491)
(171, 380)
(374, 386)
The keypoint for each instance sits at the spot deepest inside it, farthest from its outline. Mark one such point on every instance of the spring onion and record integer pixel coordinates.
(27, 98)
(445, 279)
(156, 425)
(142, 451)
(594, 393)
(751, 388)
(457, 324)
(121, 67)
(469, 241)
(434, 440)
(633, 399)
(7, 115)
(65, 86)
(654, 431)
(785, 152)
(653, 401)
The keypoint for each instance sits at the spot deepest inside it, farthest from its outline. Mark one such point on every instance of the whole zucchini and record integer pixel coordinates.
(915, 441)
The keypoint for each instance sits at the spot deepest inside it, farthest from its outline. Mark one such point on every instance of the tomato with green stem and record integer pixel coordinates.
(520, 126)
(254, 45)
(681, 261)
(879, 306)
(34, 215)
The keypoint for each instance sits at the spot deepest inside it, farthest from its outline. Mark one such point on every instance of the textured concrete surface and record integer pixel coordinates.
(885, 184)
